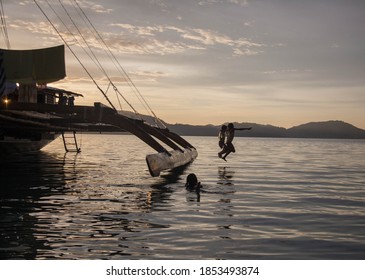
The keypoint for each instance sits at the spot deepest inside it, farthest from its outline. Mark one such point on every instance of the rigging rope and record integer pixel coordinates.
(73, 35)
(96, 60)
(4, 28)
(117, 64)
(111, 56)
(91, 54)
(74, 54)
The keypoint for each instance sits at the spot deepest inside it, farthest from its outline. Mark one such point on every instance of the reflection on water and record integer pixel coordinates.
(25, 180)
(225, 175)
(304, 202)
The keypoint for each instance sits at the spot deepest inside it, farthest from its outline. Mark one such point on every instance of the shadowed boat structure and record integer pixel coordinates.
(32, 119)
(32, 114)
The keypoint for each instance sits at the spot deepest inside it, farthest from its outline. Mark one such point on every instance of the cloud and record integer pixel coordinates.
(239, 2)
(140, 30)
(159, 3)
(206, 37)
(208, 2)
(159, 39)
(41, 27)
(86, 5)
(94, 7)
(211, 2)
(147, 76)
(167, 39)
(147, 46)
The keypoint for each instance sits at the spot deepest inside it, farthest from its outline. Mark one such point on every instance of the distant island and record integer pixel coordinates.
(327, 129)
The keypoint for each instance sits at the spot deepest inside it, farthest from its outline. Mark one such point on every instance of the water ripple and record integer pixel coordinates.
(273, 199)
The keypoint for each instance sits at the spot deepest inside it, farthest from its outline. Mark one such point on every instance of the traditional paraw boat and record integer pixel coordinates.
(33, 114)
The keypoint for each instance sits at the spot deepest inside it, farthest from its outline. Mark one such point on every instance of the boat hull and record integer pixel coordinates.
(10, 146)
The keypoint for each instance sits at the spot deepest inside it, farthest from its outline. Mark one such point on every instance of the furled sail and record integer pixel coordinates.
(39, 66)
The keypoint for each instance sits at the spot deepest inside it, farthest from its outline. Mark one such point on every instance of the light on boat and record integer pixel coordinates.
(6, 101)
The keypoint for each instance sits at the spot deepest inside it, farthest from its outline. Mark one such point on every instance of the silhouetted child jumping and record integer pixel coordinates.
(222, 136)
(228, 146)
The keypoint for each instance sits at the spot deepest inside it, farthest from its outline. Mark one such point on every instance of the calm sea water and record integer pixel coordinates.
(273, 199)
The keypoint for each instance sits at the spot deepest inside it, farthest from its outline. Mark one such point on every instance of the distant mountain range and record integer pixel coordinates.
(327, 129)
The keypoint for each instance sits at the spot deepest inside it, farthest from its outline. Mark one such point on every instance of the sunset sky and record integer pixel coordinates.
(279, 62)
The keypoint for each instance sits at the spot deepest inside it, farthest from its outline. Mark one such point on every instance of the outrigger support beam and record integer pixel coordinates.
(135, 128)
(177, 138)
(164, 159)
(158, 133)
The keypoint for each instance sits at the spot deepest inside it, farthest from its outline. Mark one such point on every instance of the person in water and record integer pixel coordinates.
(192, 183)
(228, 147)
(222, 136)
